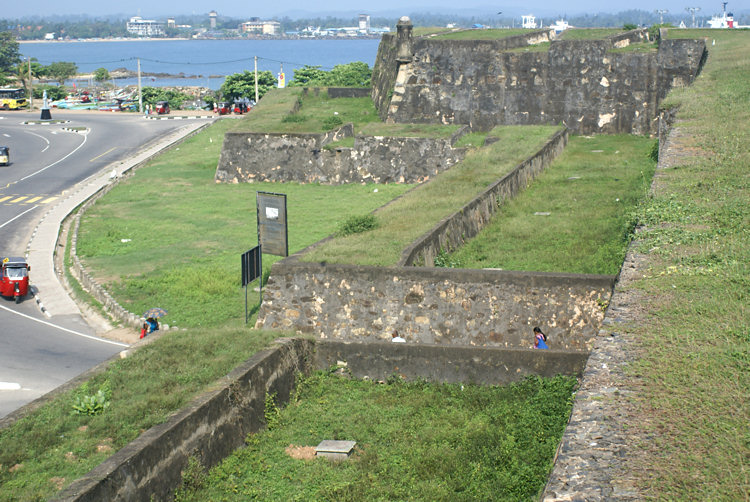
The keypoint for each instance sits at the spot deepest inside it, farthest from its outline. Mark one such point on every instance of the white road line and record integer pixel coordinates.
(18, 216)
(65, 329)
(10, 386)
(56, 162)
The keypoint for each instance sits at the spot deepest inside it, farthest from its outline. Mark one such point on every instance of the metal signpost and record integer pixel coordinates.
(272, 238)
(252, 268)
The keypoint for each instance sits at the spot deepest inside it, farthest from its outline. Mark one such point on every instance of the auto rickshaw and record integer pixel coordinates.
(14, 278)
(240, 107)
(224, 108)
(162, 107)
(4, 155)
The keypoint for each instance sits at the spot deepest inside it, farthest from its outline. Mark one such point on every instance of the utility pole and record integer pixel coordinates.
(693, 10)
(31, 89)
(661, 13)
(140, 95)
(256, 80)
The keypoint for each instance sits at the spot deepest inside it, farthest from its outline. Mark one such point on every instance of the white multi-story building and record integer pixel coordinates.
(261, 27)
(364, 24)
(145, 27)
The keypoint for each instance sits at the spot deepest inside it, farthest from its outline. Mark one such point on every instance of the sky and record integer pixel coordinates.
(323, 8)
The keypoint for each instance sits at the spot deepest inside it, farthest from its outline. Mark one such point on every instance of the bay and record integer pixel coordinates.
(207, 62)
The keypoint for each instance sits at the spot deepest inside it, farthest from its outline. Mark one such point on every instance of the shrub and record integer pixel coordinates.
(358, 224)
(331, 122)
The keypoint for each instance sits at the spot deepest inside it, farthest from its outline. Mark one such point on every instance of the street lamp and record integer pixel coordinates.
(693, 10)
(661, 13)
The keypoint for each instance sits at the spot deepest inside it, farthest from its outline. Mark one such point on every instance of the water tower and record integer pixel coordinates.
(213, 15)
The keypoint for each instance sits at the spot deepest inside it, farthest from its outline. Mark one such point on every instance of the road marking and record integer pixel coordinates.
(65, 329)
(57, 161)
(18, 216)
(105, 153)
(6, 135)
(26, 199)
(10, 386)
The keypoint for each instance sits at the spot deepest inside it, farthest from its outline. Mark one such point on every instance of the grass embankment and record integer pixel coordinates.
(398, 223)
(491, 34)
(53, 446)
(415, 441)
(693, 376)
(187, 233)
(590, 33)
(317, 112)
(589, 192)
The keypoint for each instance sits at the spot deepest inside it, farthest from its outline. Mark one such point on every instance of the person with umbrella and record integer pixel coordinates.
(151, 323)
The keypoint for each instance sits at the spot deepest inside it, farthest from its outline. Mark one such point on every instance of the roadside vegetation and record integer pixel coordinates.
(415, 441)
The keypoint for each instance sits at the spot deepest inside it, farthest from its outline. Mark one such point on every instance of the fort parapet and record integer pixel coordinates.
(588, 85)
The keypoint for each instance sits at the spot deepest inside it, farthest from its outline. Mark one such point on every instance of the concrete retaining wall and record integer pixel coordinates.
(210, 428)
(434, 305)
(217, 422)
(453, 231)
(440, 363)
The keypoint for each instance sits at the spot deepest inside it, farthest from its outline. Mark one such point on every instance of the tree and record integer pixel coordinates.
(150, 95)
(22, 71)
(9, 53)
(61, 71)
(307, 75)
(101, 75)
(242, 85)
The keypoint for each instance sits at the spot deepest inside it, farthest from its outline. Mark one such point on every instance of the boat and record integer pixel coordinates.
(559, 26)
(726, 20)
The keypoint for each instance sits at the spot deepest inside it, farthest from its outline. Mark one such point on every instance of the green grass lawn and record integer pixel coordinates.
(490, 34)
(317, 113)
(589, 192)
(693, 375)
(402, 222)
(47, 450)
(415, 441)
(187, 232)
(590, 33)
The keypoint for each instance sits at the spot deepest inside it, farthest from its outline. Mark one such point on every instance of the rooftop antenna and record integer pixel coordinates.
(693, 10)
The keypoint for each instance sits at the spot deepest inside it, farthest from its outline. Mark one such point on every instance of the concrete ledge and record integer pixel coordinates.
(447, 364)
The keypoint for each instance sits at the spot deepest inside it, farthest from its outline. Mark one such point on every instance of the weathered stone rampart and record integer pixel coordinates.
(304, 158)
(434, 305)
(584, 84)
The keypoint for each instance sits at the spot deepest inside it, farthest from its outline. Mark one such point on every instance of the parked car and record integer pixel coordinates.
(4, 155)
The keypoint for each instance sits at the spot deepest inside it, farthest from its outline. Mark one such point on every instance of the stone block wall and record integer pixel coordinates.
(453, 231)
(434, 305)
(303, 158)
(582, 84)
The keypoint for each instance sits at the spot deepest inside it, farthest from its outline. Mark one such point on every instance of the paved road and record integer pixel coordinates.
(38, 352)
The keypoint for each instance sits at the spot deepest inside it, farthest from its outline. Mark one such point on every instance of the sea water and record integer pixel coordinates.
(201, 62)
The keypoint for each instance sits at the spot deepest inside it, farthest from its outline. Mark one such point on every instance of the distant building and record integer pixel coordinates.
(257, 27)
(364, 24)
(145, 27)
(170, 22)
(212, 16)
(49, 36)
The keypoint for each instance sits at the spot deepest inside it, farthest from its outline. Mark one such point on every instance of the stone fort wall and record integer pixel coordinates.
(586, 85)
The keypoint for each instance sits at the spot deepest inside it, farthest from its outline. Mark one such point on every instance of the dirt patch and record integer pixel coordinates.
(300, 452)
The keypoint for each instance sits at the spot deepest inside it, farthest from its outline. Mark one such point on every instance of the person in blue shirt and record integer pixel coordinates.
(540, 339)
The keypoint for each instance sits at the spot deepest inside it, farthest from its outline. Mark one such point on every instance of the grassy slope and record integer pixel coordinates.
(587, 230)
(415, 441)
(52, 447)
(434, 200)
(187, 232)
(694, 373)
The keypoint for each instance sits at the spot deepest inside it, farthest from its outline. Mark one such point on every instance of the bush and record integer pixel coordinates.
(332, 122)
(358, 224)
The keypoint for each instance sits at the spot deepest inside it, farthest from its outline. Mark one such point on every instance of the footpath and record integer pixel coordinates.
(47, 288)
